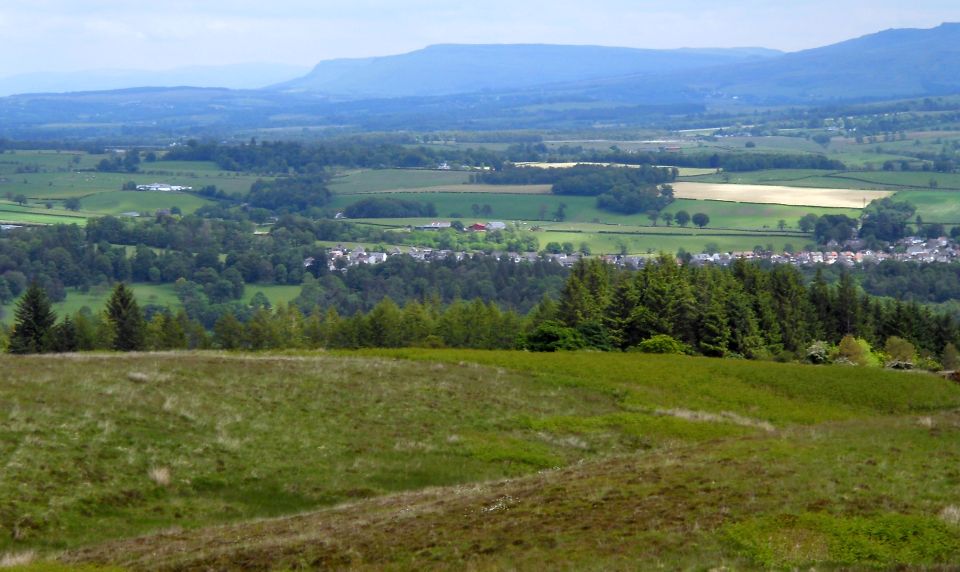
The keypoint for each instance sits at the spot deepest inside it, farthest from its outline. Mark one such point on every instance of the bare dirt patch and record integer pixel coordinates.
(771, 194)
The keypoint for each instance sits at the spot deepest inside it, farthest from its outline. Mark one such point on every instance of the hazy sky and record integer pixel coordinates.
(67, 35)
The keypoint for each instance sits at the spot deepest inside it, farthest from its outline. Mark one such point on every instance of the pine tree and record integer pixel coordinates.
(822, 302)
(653, 286)
(33, 328)
(417, 324)
(714, 331)
(154, 332)
(228, 332)
(383, 326)
(288, 324)
(745, 338)
(313, 332)
(261, 331)
(575, 302)
(126, 320)
(65, 338)
(173, 335)
(683, 312)
(617, 317)
(791, 305)
(847, 308)
(195, 333)
(545, 311)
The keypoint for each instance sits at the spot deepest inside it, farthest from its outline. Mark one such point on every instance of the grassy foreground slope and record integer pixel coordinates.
(596, 460)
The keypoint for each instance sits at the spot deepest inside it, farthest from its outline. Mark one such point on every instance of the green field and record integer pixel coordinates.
(15, 213)
(542, 207)
(366, 181)
(149, 294)
(117, 202)
(182, 167)
(416, 459)
(615, 239)
(12, 161)
(656, 243)
(583, 209)
(934, 206)
(51, 177)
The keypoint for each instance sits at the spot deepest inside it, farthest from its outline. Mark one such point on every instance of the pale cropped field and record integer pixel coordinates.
(775, 194)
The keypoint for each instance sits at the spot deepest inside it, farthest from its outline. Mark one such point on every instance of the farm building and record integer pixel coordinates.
(436, 225)
(163, 187)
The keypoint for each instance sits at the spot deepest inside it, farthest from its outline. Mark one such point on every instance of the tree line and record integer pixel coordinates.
(284, 157)
(743, 311)
(122, 326)
(213, 265)
(883, 221)
(618, 189)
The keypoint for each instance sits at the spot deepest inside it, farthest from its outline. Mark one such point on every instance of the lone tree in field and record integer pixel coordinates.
(701, 220)
(682, 218)
(33, 328)
(127, 321)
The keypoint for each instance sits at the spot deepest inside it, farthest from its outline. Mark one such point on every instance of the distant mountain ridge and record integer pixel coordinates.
(232, 76)
(448, 69)
(526, 86)
(889, 64)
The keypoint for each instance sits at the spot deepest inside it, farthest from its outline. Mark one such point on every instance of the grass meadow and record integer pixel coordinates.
(652, 243)
(367, 181)
(934, 206)
(163, 295)
(51, 177)
(413, 459)
(723, 214)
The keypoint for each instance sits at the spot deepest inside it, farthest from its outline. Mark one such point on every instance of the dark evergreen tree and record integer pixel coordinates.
(789, 299)
(714, 330)
(126, 320)
(228, 333)
(618, 323)
(822, 303)
(847, 310)
(33, 326)
(65, 339)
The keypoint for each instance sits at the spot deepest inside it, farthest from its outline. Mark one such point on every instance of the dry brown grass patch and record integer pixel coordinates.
(161, 476)
(951, 515)
(17, 559)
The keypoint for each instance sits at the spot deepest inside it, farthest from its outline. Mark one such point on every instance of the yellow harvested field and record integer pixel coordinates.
(770, 194)
(499, 189)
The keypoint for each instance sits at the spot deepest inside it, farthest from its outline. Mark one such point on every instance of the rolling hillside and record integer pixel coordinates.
(420, 459)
